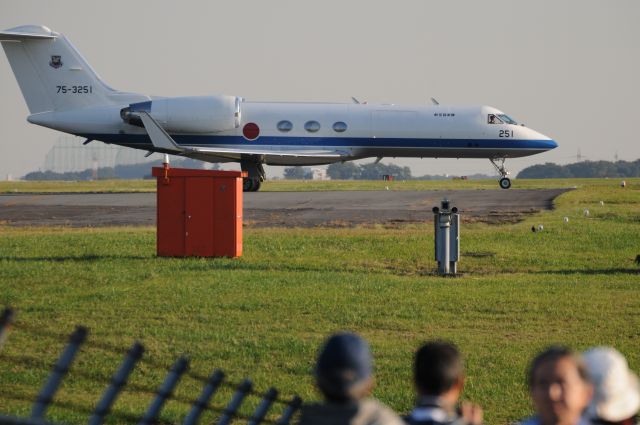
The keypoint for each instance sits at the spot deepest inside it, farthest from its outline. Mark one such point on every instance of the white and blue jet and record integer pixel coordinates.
(64, 93)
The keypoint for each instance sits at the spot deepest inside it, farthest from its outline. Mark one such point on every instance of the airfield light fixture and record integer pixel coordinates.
(446, 222)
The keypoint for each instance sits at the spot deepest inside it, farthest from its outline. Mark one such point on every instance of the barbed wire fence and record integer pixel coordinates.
(118, 382)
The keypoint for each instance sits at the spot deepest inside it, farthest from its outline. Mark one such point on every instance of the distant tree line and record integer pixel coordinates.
(298, 173)
(477, 176)
(585, 169)
(351, 171)
(132, 171)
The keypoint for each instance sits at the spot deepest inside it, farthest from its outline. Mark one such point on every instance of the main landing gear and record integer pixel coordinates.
(505, 182)
(250, 185)
(256, 176)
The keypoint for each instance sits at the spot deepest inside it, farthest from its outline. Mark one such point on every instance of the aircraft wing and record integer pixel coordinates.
(163, 141)
(234, 152)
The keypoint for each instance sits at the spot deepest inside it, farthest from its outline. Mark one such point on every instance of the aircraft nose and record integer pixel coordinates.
(551, 144)
(545, 142)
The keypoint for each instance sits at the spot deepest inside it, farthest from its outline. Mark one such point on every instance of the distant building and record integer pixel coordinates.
(70, 155)
(319, 174)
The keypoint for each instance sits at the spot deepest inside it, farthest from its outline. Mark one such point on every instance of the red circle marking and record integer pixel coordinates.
(251, 131)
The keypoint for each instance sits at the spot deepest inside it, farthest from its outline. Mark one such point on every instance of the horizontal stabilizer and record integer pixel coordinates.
(27, 32)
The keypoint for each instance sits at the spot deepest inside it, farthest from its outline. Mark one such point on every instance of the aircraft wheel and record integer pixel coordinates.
(250, 185)
(505, 183)
(247, 184)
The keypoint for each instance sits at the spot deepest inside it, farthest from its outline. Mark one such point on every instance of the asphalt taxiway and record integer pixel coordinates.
(280, 209)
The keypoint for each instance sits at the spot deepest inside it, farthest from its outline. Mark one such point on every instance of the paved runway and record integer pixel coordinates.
(266, 209)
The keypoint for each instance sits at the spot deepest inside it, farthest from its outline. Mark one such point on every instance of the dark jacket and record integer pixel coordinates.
(364, 412)
(432, 411)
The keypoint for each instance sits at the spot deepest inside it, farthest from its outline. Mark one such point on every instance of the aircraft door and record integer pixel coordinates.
(198, 212)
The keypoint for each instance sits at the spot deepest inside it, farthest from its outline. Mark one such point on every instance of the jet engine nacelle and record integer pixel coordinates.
(193, 114)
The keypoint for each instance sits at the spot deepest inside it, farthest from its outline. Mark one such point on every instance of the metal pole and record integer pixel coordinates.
(59, 370)
(231, 409)
(292, 407)
(454, 255)
(170, 382)
(208, 391)
(261, 411)
(444, 224)
(436, 231)
(6, 320)
(118, 381)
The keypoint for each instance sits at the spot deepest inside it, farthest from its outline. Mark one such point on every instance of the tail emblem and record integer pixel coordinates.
(56, 62)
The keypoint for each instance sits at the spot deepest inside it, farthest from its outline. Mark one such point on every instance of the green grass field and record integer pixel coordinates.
(265, 314)
(299, 185)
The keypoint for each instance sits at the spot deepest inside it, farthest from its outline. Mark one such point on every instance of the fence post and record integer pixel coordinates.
(6, 320)
(212, 385)
(170, 382)
(293, 405)
(118, 381)
(59, 370)
(261, 411)
(231, 409)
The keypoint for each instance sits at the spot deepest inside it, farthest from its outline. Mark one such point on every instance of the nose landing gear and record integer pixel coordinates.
(505, 182)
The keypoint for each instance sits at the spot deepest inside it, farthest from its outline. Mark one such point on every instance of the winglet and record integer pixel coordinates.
(159, 137)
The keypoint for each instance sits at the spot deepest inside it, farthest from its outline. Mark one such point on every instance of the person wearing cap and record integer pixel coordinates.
(616, 397)
(438, 374)
(343, 375)
(560, 388)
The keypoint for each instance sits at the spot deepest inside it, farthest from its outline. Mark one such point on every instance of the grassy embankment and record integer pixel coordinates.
(265, 314)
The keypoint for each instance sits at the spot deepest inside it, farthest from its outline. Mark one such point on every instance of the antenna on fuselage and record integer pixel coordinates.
(435, 102)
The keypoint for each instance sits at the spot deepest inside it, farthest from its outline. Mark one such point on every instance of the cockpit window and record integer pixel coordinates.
(493, 119)
(507, 119)
(500, 119)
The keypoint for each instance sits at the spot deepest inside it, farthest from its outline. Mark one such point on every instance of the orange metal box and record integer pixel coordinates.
(199, 212)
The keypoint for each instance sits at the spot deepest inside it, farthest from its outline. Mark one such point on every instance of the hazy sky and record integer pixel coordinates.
(568, 69)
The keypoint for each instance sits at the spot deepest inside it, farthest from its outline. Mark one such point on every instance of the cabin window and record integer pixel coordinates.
(493, 119)
(312, 126)
(339, 127)
(285, 126)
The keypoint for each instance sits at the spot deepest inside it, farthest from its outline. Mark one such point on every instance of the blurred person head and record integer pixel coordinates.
(438, 371)
(344, 368)
(616, 398)
(560, 386)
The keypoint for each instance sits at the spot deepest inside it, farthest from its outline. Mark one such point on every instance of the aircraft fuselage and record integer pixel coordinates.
(355, 130)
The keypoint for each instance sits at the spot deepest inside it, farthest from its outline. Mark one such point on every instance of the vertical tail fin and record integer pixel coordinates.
(51, 73)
